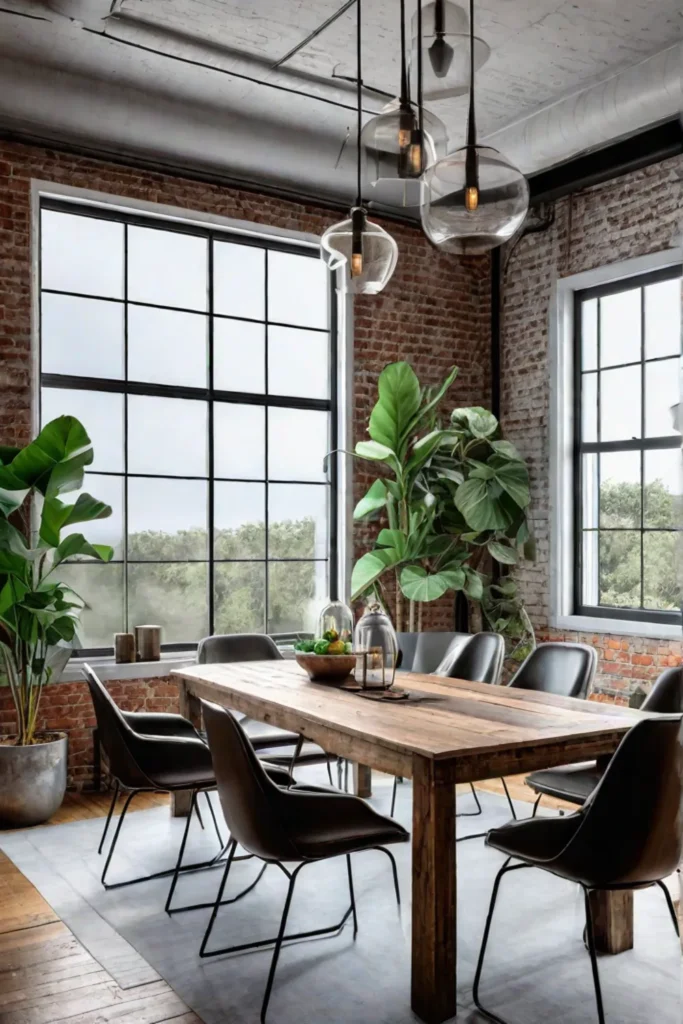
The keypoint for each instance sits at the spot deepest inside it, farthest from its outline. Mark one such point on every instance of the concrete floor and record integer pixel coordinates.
(537, 968)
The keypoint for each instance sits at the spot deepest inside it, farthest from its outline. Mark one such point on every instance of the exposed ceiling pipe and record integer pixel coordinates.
(625, 103)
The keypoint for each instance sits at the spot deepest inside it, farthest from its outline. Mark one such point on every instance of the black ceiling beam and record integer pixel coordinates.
(648, 147)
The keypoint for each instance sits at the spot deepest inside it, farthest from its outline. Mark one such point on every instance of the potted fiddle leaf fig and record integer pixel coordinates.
(39, 613)
(453, 494)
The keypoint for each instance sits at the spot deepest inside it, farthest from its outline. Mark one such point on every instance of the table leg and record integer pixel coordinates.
(362, 780)
(612, 920)
(434, 892)
(190, 707)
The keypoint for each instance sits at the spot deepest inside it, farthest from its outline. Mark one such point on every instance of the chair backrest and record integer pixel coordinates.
(631, 828)
(666, 696)
(479, 659)
(237, 647)
(113, 731)
(562, 668)
(248, 797)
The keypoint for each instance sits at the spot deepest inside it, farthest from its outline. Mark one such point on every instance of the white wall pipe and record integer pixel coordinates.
(632, 99)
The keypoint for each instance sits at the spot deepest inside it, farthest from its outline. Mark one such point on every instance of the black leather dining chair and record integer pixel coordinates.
(227, 648)
(152, 752)
(575, 782)
(300, 825)
(478, 659)
(565, 669)
(626, 836)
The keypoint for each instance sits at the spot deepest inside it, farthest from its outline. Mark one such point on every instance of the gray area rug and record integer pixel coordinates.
(537, 968)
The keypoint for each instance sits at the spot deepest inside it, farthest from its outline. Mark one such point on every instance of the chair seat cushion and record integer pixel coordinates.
(264, 736)
(534, 839)
(574, 782)
(326, 823)
(310, 754)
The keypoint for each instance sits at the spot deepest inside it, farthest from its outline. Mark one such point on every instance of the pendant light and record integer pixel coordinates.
(446, 49)
(474, 199)
(365, 250)
(398, 147)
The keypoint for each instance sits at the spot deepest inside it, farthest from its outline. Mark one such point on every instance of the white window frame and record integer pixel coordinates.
(561, 355)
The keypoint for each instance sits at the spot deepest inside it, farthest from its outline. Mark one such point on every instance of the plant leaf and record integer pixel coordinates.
(370, 567)
(507, 450)
(374, 499)
(54, 461)
(474, 586)
(393, 539)
(502, 552)
(479, 507)
(418, 585)
(480, 422)
(76, 544)
(513, 477)
(398, 402)
(375, 451)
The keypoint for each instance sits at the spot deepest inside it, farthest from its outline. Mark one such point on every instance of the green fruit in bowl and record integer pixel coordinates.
(348, 647)
(321, 646)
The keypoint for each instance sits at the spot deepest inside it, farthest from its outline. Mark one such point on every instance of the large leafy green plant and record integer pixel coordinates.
(38, 612)
(454, 496)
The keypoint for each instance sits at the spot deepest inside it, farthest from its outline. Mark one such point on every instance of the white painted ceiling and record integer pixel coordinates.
(541, 49)
(191, 83)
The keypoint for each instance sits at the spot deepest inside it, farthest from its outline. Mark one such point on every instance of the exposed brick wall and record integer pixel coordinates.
(637, 214)
(67, 707)
(434, 313)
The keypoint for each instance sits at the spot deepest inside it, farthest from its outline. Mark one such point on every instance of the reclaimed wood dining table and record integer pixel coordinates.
(450, 731)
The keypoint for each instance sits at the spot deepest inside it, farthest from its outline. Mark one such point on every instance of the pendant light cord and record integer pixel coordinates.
(420, 112)
(405, 88)
(471, 124)
(359, 99)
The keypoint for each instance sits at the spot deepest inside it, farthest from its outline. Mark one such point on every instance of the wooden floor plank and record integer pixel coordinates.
(47, 976)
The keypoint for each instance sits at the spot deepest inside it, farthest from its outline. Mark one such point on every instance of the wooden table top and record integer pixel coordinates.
(484, 728)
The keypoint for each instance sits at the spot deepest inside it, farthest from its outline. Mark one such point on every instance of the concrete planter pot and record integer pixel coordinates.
(423, 652)
(32, 781)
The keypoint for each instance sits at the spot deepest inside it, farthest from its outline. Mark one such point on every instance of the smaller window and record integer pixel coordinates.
(628, 481)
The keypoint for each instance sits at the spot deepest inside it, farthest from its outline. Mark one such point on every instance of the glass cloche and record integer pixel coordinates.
(336, 617)
(376, 649)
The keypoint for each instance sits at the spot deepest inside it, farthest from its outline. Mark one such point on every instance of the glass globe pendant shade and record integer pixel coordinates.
(446, 50)
(367, 253)
(474, 200)
(394, 158)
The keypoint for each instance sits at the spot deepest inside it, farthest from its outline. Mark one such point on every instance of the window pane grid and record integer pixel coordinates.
(627, 567)
(138, 388)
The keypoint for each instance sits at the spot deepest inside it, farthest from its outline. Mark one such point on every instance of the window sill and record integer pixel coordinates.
(596, 624)
(108, 669)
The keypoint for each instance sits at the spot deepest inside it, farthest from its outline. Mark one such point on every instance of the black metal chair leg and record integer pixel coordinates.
(116, 835)
(181, 851)
(484, 942)
(340, 769)
(346, 776)
(278, 944)
(393, 797)
(383, 849)
(219, 897)
(507, 794)
(670, 905)
(199, 815)
(329, 773)
(111, 811)
(213, 817)
(471, 814)
(352, 895)
(536, 803)
(590, 935)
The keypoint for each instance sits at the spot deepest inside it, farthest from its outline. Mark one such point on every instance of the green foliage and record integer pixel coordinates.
(37, 611)
(451, 493)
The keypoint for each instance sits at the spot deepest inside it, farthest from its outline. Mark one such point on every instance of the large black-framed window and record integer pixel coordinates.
(203, 364)
(627, 452)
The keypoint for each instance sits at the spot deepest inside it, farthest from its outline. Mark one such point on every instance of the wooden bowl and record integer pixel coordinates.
(326, 668)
